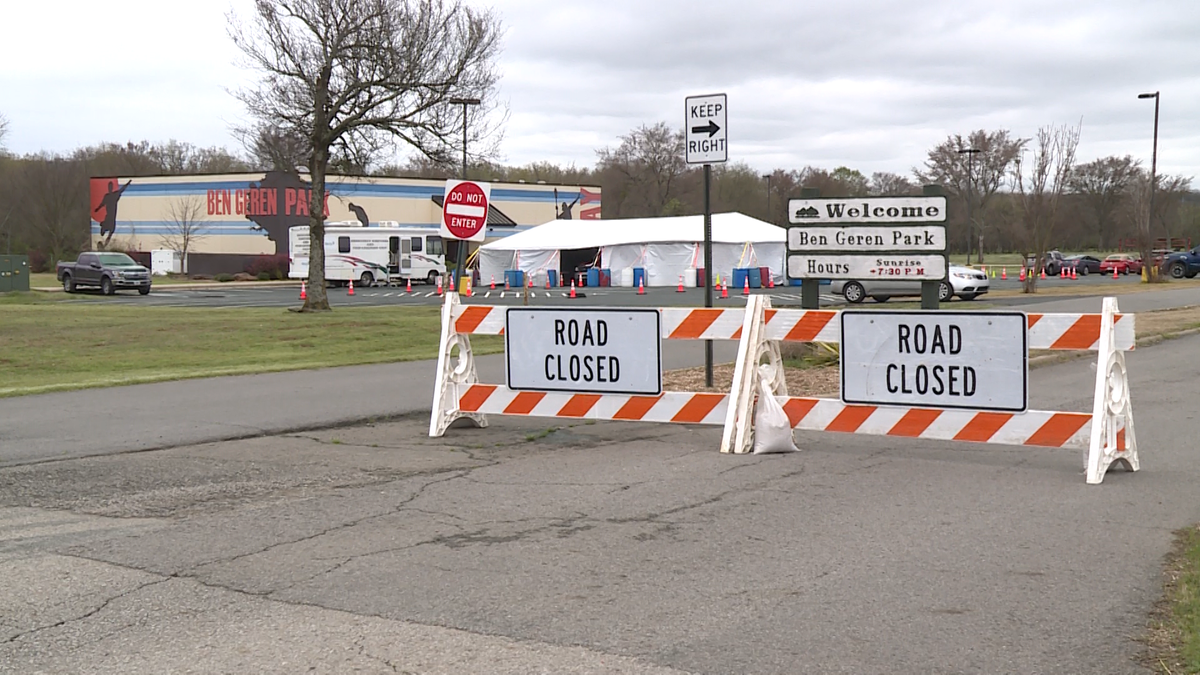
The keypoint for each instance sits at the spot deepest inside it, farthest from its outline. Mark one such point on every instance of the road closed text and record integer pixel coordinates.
(584, 351)
(938, 379)
(972, 360)
(586, 368)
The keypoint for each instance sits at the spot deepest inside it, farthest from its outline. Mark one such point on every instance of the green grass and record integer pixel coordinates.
(1186, 601)
(53, 345)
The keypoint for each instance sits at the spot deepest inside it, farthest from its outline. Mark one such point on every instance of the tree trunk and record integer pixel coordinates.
(318, 298)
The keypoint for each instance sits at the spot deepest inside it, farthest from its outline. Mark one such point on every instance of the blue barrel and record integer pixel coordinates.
(593, 276)
(740, 276)
(514, 278)
(639, 276)
(553, 274)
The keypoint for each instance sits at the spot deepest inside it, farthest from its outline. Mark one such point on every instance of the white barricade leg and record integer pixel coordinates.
(1113, 439)
(454, 375)
(738, 435)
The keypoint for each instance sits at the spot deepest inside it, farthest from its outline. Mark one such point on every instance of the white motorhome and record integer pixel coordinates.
(382, 253)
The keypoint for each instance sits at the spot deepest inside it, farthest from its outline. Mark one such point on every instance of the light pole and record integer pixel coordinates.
(1153, 166)
(462, 244)
(768, 177)
(970, 153)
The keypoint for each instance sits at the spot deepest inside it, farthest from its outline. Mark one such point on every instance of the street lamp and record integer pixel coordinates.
(1153, 165)
(462, 245)
(970, 153)
(768, 177)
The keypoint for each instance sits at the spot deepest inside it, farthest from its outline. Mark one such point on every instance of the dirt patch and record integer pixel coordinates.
(821, 381)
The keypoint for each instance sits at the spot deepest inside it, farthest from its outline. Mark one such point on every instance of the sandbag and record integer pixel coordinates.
(772, 430)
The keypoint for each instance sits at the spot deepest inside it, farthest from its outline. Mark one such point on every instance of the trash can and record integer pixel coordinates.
(701, 278)
(593, 276)
(606, 277)
(464, 285)
(639, 276)
(514, 278)
(764, 277)
(553, 275)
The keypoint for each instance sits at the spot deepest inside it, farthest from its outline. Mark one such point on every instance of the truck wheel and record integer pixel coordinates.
(1178, 270)
(106, 286)
(366, 280)
(144, 291)
(68, 283)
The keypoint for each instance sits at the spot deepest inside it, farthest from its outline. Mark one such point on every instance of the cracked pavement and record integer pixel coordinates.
(598, 548)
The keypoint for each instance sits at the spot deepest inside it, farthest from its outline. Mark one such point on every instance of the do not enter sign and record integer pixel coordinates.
(464, 210)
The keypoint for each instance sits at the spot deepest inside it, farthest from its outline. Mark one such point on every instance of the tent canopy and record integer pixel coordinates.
(729, 228)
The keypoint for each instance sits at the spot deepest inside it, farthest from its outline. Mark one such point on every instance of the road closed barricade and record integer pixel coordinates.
(954, 376)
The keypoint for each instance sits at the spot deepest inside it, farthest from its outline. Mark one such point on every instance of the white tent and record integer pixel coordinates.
(666, 248)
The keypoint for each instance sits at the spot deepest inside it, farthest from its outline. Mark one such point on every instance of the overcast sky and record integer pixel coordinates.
(869, 84)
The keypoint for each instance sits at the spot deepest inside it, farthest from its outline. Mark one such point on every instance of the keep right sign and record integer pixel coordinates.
(973, 360)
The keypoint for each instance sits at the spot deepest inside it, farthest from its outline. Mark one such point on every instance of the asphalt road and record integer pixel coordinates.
(288, 296)
(597, 548)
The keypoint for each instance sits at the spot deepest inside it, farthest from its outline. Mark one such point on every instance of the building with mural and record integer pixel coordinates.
(230, 219)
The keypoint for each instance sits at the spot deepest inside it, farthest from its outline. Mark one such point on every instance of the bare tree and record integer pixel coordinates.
(185, 226)
(1039, 187)
(647, 168)
(1104, 184)
(3, 131)
(988, 170)
(887, 184)
(352, 77)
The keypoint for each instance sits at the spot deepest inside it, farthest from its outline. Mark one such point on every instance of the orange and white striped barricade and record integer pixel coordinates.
(1106, 435)
(458, 394)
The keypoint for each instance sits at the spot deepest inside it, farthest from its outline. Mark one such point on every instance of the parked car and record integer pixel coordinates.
(1121, 263)
(1183, 264)
(1082, 264)
(1053, 263)
(107, 271)
(965, 282)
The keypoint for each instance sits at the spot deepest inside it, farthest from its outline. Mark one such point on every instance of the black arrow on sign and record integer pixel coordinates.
(711, 128)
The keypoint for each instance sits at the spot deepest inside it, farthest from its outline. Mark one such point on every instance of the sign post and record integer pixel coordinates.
(705, 143)
(464, 215)
(867, 238)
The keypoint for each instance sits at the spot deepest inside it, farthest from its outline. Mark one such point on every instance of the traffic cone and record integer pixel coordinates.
(572, 288)
(303, 291)
(680, 289)
(408, 285)
(1022, 277)
(1114, 272)
(1062, 273)
(492, 285)
(468, 294)
(746, 286)
(770, 281)
(439, 288)
(350, 291)
(547, 281)
(506, 287)
(724, 291)
(1074, 274)
(641, 286)
(1004, 273)
(1043, 272)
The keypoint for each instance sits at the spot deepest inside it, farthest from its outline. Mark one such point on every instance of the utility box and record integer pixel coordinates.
(14, 273)
(165, 261)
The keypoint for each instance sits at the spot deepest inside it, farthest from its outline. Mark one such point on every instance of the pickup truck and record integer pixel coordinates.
(106, 270)
(1183, 264)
